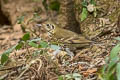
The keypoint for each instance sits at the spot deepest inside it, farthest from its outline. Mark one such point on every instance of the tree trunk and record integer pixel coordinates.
(66, 18)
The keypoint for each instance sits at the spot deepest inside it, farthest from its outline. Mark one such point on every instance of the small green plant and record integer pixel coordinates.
(53, 5)
(26, 41)
(111, 70)
(88, 7)
(5, 55)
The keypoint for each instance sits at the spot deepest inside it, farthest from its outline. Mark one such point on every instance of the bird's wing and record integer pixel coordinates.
(77, 40)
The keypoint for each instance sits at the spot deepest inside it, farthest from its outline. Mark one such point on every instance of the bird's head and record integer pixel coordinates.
(49, 27)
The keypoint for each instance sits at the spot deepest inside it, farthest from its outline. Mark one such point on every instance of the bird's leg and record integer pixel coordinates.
(70, 53)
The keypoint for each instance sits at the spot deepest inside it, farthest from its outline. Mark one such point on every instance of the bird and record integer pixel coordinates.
(65, 36)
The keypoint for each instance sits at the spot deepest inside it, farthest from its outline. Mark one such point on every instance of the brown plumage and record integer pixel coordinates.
(66, 36)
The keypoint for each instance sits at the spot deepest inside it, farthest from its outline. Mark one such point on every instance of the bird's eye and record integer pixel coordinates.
(47, 25)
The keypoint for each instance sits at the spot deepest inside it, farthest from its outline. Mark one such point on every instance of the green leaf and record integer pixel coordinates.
(77, 76)
(112, 64)
(33, 44)
(68, 76)
(84, 14)
(92, 2)
(110, 70)
(84, 3)
(26, 37)
(35, 40)
(118, 71)
(36, 16)
(55, 47)
(19, 45)
(9, 50)
(117, 38)
(112, 77)
(4, 58)
(43, 44)
(60, 78)
(115, 51)
(20, 19)
(37, 52)
(54, 5)
(5, 54)
(105, 66)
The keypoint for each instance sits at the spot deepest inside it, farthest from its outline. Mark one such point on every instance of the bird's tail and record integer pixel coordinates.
(101, 43)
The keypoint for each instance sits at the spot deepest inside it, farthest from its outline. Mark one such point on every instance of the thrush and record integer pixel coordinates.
(65, 36)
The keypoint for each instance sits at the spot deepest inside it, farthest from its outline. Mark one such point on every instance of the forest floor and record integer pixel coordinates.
(23, 65)
(30, 63)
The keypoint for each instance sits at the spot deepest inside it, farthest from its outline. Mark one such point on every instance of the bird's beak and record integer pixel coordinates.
(38, 25)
